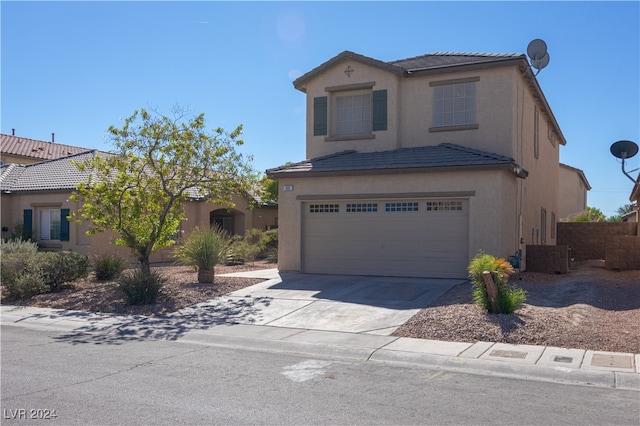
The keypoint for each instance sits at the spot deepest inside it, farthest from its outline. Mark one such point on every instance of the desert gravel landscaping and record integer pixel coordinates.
(589, 308)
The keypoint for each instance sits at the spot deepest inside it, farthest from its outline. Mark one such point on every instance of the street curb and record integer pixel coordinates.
(449, 356)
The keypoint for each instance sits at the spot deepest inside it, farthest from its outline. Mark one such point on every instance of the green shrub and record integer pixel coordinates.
(108, 266)
(139, 288)
(22, 276)
(234, 256)
(508, 298)
(62, 267)
(203, 250)
(272, 255)
(18, 247)
(21, 272)
(27, 272)
(254, 244)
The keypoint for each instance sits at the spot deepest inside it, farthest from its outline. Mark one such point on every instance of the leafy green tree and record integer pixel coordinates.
(270, 188)
(622, 210)
(139, 188)
(591, 215)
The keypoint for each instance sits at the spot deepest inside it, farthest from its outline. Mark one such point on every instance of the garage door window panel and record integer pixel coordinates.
(324, 208)
(401, 207)
(362, 208)
(433, 206)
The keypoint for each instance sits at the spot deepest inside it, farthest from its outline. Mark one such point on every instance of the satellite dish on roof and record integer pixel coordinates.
(623, 150)
(540, 63)
(537, 51)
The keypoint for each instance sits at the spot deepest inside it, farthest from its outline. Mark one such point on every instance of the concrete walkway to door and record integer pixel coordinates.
(354, 304)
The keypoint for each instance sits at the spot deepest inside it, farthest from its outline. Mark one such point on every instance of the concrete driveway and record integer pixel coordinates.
(354, 304)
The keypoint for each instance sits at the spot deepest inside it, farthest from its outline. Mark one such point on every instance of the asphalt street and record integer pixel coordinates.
(157, 381)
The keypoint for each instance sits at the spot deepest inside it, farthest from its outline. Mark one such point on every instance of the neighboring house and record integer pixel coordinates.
(415, 165)
(18, 150)
(634, 216)
(36, 196)
(573, 192)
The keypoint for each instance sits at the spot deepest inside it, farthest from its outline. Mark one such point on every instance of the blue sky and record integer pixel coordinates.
(74, 68)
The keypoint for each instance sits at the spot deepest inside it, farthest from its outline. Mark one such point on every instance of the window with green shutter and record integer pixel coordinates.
(64, 225)
(379, 110)
(320, 116)
(27, 221)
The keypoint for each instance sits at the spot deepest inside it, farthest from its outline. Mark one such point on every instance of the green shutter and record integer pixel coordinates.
(27, 224)
(379, 110)
(64, 225)
(320, 116)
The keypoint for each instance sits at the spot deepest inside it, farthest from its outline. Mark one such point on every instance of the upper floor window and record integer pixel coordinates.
(454, 103)
(350, 113)
(353, 114)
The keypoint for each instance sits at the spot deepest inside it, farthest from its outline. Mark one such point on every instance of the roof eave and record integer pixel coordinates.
(521, 173)
(493, 63)
(300, 82)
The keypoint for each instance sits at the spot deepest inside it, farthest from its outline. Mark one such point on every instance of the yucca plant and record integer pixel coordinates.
(203, 250)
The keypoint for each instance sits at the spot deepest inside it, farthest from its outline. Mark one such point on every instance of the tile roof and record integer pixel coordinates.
(58, 174)
(61, 175)
(409, 66)
(32, 148)
(445, 155)
(449, 59)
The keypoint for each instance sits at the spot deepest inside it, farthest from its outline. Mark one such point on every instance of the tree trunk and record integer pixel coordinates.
(145, 264)
(205, 276)
(492, 292)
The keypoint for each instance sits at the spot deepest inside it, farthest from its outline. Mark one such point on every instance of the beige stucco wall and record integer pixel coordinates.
(492, 227)
(541, 188)
(572, 194)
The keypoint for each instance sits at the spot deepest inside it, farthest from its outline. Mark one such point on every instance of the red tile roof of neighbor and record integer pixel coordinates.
(36, 149)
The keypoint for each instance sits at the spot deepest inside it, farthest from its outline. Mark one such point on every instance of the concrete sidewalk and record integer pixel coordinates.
(339, 317)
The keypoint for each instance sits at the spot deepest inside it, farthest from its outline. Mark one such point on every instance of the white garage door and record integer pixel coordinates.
(411, 238)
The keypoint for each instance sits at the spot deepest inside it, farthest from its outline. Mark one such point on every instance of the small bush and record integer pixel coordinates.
(272, 255)
(254, 244)
(27, 272)
(140, 288)
(63, 267)
(18, 247)
(509, 298)
(108, 266)
(22, 277)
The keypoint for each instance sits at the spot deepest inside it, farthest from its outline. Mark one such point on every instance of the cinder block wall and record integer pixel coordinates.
(548, 259)
(588, 240)
(622, 253)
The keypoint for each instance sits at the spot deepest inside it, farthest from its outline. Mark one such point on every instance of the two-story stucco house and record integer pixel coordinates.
(573, 187)
(415, 165)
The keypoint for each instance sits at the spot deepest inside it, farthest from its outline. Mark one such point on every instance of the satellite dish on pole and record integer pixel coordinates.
(623, 150)
(537, 51)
